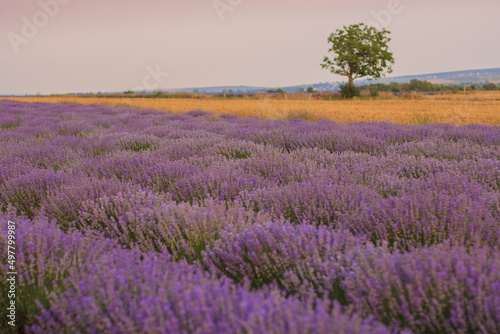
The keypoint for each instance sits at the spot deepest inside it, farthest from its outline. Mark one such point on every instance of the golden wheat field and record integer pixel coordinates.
(475, 107)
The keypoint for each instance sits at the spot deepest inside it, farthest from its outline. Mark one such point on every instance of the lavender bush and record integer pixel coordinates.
(133, 221)
(131, 292)
(45, 255)
(441, 289)
(299, 259)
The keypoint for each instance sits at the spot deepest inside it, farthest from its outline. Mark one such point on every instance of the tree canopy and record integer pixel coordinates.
(359, 51)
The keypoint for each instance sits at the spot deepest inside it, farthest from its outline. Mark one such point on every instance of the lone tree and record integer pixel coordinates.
(360, 51)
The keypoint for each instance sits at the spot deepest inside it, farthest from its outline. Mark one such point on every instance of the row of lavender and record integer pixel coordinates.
(142, 221)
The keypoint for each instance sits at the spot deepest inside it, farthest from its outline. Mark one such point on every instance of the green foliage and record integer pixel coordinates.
(8, 125)
(359, 51)
(310, 89)
(159, 94)
(279, 90)
(413, 85)
(424, 118)
(236, 154)
(491, 86)
(396, 89)
(373, 91)
(128, 92)
(348, 92)
(421, 86)
(28, 298)
(302, 114)
(138, 144)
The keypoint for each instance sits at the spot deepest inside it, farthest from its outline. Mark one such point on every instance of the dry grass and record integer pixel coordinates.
(476, 107)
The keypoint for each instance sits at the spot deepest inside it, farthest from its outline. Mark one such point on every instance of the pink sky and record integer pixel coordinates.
(111, 45)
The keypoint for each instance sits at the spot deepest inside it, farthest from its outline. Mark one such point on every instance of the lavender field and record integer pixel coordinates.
(141, 221)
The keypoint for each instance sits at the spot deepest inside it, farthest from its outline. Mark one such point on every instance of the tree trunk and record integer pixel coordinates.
(351, 82)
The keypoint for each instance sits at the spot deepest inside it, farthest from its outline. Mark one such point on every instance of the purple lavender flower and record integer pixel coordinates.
(132, 221)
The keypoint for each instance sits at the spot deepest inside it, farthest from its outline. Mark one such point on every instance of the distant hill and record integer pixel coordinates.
(456, 77)
(217, 89)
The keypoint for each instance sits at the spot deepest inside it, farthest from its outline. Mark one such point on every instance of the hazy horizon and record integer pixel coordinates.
(56, 46)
